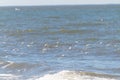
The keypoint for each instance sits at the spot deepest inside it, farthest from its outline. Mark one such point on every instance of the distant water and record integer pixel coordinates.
(60, 43)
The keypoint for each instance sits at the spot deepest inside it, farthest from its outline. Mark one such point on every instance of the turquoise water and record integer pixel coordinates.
(45, 42)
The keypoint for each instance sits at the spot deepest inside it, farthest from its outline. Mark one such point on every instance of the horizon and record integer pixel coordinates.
(60, 5)
(57, 2)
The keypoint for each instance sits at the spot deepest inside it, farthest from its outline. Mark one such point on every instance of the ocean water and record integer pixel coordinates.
(60, 42)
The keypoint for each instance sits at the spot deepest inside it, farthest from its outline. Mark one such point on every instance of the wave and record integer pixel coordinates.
(9, 77)
(76, 75)
(86, 24)
(18, 65)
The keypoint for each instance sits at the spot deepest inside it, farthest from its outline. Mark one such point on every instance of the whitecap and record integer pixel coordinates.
(70, 48)
(9, 77)
(9, 63)
(76, 42)
(17, 9)
(73, 75)
(44, 50)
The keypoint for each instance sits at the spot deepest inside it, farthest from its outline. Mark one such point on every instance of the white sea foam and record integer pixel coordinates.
(17, 9)
(72, 75)
(8, 77)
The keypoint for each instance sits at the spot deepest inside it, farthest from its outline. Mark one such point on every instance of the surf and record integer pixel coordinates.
(76, 75)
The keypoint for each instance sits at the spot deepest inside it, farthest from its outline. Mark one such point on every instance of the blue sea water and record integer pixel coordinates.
(60, 42)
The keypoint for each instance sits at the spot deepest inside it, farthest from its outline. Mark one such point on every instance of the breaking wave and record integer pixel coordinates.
(75, 75)
(8, 77)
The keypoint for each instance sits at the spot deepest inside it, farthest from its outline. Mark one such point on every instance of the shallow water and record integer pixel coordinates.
(41, 43)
